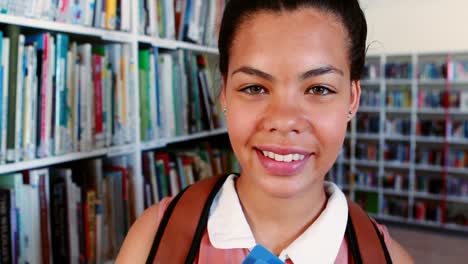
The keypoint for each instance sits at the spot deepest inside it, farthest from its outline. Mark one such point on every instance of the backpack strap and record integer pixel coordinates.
(364, 238)
(176, 243)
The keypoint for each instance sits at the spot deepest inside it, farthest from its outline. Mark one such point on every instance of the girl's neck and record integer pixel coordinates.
(277, 222)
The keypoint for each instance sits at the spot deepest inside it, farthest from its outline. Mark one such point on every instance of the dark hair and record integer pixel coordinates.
(348, 11)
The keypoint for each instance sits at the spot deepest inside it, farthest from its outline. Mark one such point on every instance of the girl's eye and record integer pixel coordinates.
(319, 90)
(254, 89)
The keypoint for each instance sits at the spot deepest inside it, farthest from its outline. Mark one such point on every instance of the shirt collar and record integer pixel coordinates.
(321, 242)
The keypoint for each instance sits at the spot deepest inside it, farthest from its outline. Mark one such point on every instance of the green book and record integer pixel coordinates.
(13, 33)
(143, 75)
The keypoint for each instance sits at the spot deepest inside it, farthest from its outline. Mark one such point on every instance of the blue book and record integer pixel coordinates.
(158, 91)
(261, 255)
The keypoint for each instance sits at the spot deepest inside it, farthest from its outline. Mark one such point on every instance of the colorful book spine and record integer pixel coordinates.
(99, 135)
(111, 14)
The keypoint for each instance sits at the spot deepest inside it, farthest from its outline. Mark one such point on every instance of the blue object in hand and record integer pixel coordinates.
(261, 255)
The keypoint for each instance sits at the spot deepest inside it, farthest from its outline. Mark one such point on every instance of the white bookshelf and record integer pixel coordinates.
(134, 149)
(410, 171)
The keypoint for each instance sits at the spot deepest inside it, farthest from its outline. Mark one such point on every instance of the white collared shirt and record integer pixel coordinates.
(321, 242)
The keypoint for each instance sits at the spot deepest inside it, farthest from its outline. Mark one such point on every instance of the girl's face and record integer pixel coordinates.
(287, 94)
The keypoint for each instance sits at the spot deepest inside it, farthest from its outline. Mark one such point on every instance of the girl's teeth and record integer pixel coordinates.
(283, 158)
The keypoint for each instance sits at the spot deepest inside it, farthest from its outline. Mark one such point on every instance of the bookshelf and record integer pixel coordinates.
(136, 38)
(407, 146)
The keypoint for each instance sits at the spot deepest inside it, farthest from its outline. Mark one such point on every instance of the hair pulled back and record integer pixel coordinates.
(348, 12)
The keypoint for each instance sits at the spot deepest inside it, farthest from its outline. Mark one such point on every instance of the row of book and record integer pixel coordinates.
(457, 69)
(430, 70)
(397, 152)
(426, 184)
(367, 151)
(73, 214)
(367, 123)
(429, 156)
(394, 206)
(371, 71)
(397, 126)
(399, 98)
(430, 128)
(167, 173)
(177, 94)
(458, 158)
(59, 96)
(366, 178)
(370, 97)
(399, 70)
(454, 69)
(428, 211)
(395, 181)
(457, 187)
(108, 14)
(457, 129)
(456, 99)
(187, 20)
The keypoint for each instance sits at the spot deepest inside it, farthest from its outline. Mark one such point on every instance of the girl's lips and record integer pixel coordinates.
(280, 168)
(283, 150)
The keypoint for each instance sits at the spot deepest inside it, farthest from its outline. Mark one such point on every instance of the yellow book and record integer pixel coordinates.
(111, 14)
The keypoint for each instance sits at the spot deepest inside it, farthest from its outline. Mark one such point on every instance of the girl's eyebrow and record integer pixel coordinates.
(322, 70)
(327, 69)
(255, 72)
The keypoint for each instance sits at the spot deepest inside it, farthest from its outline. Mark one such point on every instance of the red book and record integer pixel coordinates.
(97, 80)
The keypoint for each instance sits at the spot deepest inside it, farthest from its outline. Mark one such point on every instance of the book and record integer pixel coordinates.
(13, 34)
(6, 212)
(4, 68)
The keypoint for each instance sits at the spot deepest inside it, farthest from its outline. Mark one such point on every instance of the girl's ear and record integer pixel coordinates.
(355, 98)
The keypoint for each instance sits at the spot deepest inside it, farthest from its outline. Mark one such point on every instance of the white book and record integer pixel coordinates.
(45, 9)
(29, 103)
(5, 63)
(26, 231)
(173, 179)
(184, 89)
(67, 131)
(126, 90)
(47, 150)
(168, 115)
(34, 178)
(194, 24)
(170, 19)
(116, 56)
(97, 13)
(153, 102)
(154, 183)
(210, 30)
(132, 92)
(152, 18)
(31, 151)
(86, 98)
(464, 101)
(90, 6)
(19, 100)
(125, 17)
(107, 94)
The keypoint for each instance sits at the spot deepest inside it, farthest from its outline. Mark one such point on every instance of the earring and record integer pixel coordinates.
(225, 110)
(350, 114)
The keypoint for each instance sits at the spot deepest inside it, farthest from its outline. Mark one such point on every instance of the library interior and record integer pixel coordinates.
(107, 107)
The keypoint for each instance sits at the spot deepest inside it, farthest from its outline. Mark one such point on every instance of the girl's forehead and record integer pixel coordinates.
(296, 39)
